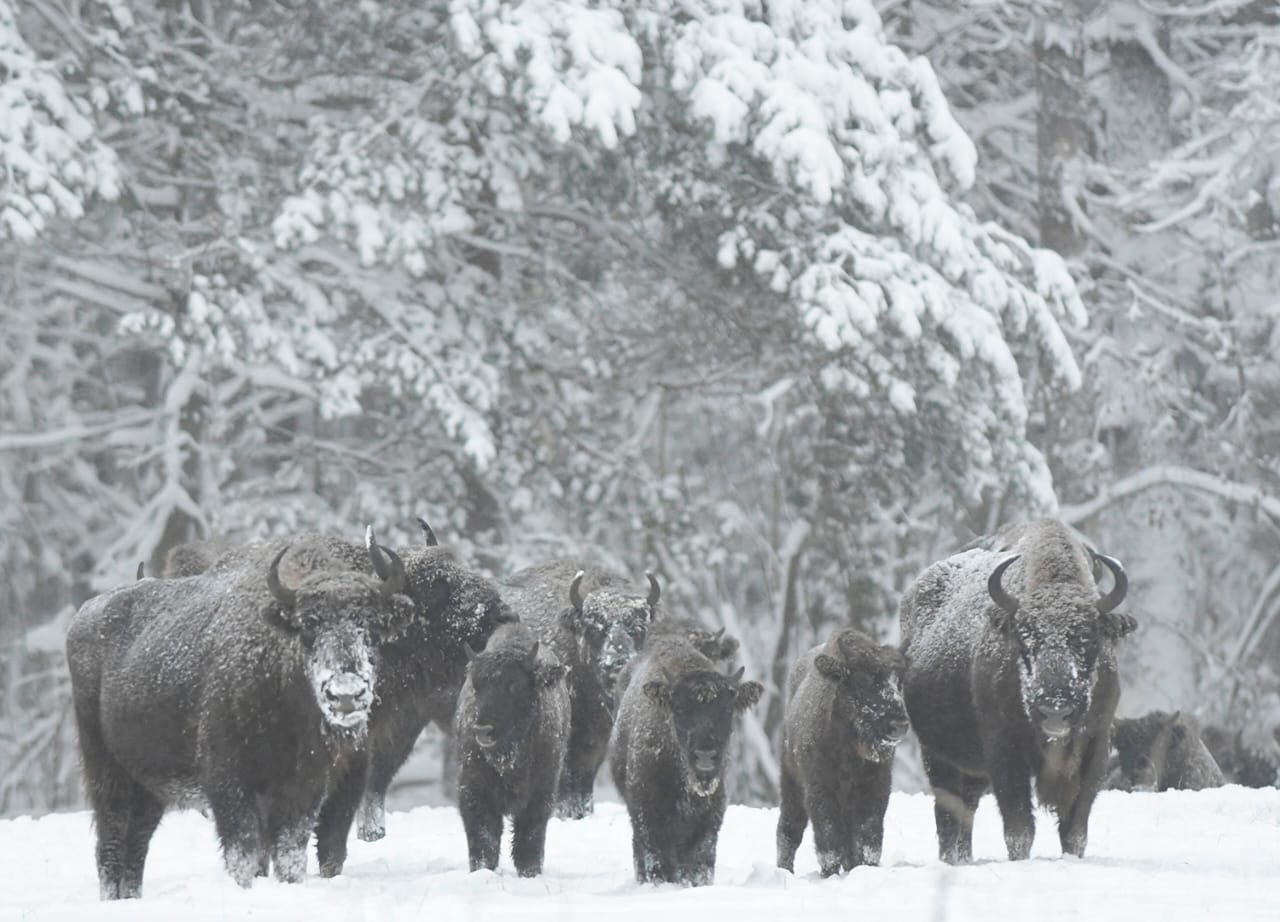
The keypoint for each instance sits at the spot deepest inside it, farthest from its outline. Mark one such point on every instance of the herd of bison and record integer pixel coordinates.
(280, 685)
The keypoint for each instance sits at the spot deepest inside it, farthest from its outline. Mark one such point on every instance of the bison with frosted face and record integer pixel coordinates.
(669, 750)
(248, 691)
(1011, 681)
(603, 626)
(844, 717)
(1160, 751)
(512, 728)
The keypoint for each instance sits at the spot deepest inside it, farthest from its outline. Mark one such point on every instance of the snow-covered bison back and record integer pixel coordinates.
(247, 690)
(1011, 680)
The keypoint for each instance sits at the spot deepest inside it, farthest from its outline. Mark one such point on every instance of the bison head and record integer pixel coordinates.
(613, 625)
(701, 706)
(507, 679)
(1059, 629)
(868, 700)
(1160, 751)
(337, 616)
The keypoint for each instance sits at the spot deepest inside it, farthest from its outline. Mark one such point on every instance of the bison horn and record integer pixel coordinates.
(428, 533)
(996, 591)
(471, 653)
(575, 590)
(719, 635)
(1119, 590)
(395, 580)
(655, 591)
(286, 597)
(141, 569)
(532, 656)
(375, 554)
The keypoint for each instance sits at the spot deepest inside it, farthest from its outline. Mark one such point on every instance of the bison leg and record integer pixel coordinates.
(700, 866)
(482, 821)
(336, 816)
(1073, 818)
(529, 838)
(792, 820)
(289, 851)
(650, 863)
(955, 799)
(145, 812)
(867, 826)
(111, 793)
(387, 755)
(1011, 781)
(830, 833)
(239, 827)
(576, 797)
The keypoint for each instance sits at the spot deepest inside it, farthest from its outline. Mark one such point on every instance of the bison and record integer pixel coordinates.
(844, 717)
(512, 728)
(248, 691)
(669, 749)
(1011, 680)
(714, 645)
(1161, 752)
(1254, 764)
(596, 634)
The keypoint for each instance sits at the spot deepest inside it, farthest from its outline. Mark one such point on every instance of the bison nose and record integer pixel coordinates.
(704, 760)
(1054, 717)
(484, 736)
(346, 693)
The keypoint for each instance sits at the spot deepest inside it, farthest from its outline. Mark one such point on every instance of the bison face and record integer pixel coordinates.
(337, 616)
(868, 701)
(613, 626)
(1058, 630)
(701, 706)
(714, 645)
(506, 684)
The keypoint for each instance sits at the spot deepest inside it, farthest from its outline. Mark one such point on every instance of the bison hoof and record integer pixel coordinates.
(371, 832)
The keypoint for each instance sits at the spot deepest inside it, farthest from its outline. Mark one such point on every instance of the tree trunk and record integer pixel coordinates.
(1062, 130)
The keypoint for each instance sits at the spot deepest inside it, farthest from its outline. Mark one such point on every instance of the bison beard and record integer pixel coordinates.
(669, 748)
(1011, 679)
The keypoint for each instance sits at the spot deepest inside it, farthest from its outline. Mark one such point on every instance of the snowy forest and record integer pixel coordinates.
(783, 301)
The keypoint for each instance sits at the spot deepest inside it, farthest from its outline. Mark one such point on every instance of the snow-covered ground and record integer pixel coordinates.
(1181, 855)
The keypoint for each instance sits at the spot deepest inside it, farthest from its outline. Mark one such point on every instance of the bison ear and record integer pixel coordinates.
(658, 693)
(275, 615)
(1116, 625)
(830, 667)
(747, 695)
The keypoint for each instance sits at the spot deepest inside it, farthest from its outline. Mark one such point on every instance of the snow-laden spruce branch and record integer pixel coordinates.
(1168, 475)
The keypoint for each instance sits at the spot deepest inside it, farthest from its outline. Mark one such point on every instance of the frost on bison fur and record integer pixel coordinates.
(1011, 682)
(1161, 752)
(669, 750)
(594, 624)
(248, 691)
(843, 720)
(714, 645)
(512, 728)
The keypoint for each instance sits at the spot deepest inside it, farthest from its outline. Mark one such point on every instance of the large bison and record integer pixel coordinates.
(843, 720)
(594, 622)
(248, 691)
(1160, 751)
(670, 746)
(512, 727)
(1011, 681)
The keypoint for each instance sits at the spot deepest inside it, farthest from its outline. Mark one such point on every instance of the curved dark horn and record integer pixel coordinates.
(575, 591)
(996, 591)
(1119, 590)
(428, 533)
(394, 581)
(141, 568)
(286, 597)
(655, 591)
(719, 635)
(375, 554)
(532, 657)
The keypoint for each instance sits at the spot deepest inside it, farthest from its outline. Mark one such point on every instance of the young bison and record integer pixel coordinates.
(1161, 752)
(714, 645)
(844, 717)
(669, 747)
(511, 729)
(1253, 764)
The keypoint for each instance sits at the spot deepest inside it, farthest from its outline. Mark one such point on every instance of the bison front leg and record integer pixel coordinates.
(1011, 781)
(482, 822)
(700, 868)
(955, 800)
(830, 828)
(792, 819)
(336, 816)
(1073, 818)
(529, 838)
(576, 797)
(867, 824)
(236, 819)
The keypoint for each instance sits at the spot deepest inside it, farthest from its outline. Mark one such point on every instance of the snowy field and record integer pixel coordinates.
(1179, 855)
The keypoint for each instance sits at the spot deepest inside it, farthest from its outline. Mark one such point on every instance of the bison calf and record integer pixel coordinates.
(670, 742)
(512, 728)
(1161, 752)
(844, 717)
